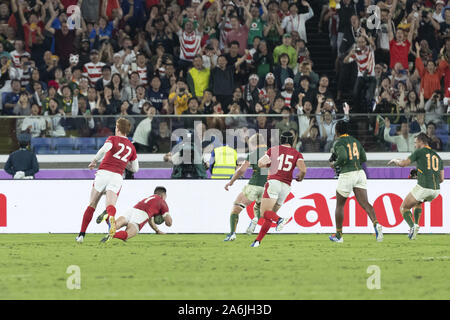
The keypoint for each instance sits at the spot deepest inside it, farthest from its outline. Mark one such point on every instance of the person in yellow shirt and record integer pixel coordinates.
(198, 77)
(179, 98)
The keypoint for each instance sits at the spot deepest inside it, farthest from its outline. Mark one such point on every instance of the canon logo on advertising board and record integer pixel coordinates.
(2, 210)
(204, 206)
(324, 214)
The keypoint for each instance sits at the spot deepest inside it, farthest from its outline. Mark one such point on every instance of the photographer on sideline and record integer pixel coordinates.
(22, 164)
(191, 170)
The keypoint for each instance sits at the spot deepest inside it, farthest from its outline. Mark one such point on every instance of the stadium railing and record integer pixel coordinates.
(75, 136)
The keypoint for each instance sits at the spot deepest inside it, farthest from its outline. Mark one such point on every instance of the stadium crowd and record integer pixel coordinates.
(123, 58)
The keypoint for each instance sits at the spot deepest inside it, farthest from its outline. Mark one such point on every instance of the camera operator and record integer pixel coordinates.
(188, 169)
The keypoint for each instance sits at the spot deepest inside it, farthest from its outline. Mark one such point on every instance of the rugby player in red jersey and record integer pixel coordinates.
(282, 160)
(144, 211)
(117, 153)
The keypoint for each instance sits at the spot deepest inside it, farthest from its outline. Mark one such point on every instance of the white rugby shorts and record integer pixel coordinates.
(275, 189)
(135, 217)
(349, 180)
(107, 180)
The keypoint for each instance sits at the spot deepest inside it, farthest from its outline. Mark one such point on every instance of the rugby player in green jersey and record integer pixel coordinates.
(430, 174)
(349, 155)
(253, 191)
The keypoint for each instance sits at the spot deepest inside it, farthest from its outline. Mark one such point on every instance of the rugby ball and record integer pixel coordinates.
(158, 219)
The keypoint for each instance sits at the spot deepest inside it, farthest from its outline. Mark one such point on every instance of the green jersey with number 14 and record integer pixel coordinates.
(349, 153)
(429, 166)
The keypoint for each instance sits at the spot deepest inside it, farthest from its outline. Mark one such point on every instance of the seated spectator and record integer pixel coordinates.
(54, 116)
(157, 97)
(282, 71)
(288, 92)
(104, 80)
(34, 124)
(235, 122)
(162, 143)
(138, 101)
(193, 109)
(434, 108)
(285, 123)
(311, 140)
(403, 140)
(23, 106)
(11, 98)
(436, 143)
(141, 136)
(327, 123)
(82, 125)
(418, 123)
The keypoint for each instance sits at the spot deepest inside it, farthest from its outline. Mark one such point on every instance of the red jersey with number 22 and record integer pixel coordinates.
(117, 158)
(283, 162)
(153, 205)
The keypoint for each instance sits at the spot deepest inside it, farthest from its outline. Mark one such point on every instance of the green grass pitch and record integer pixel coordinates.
(187, 266)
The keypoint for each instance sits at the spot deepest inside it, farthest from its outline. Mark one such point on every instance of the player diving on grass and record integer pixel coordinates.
(117, 153)
(253, 191)
(430, 174)
(349, 156)
(282, 160)
(147, 210)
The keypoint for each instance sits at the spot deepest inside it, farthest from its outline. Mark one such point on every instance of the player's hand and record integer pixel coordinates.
(92, 165)
(229, 184)
(298, 179)
(332, 165)
(395, 161)
(160, 232)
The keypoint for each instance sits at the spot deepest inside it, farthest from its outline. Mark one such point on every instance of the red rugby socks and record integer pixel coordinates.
(122, 235)
(87, 217)
(111, 210)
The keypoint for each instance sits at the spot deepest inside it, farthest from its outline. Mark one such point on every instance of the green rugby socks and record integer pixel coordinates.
(234, 218)
(407, 215)
(417, 214)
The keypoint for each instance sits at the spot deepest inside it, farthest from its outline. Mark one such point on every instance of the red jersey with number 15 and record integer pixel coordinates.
(117, 158)
(283, 162)
(153, 206)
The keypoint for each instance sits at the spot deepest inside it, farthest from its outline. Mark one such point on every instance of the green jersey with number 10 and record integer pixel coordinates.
(429, 166)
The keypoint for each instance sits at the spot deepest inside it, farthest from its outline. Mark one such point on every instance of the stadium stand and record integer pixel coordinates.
(145, 60)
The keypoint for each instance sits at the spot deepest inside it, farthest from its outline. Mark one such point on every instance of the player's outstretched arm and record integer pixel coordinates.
(302, 167)
(152, 224)
(133, 166)
(264, 161)
(238, 173)
(100, 154)
(442, 176)
(400, 162)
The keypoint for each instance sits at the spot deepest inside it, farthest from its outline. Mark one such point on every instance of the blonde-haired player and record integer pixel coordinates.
(254, 190)
(116, 154)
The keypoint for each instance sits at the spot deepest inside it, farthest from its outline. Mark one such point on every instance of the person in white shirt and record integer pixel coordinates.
(437, 14)
(295, 21)
(404, 141)
(143, 129)
(34, 124)
(118, 66)
(139, 100)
